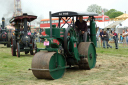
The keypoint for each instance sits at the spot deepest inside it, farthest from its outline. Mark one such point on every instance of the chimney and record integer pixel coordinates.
(3, 22)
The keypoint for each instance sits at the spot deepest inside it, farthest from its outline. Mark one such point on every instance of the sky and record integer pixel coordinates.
(41, 8)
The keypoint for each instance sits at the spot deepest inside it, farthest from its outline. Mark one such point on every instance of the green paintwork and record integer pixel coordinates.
(87, 37)
(93, 32)
(92, 58)
(73, 48)
(56, 32)
(57, 66)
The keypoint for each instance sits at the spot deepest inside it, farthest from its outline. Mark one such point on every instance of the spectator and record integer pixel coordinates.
(106, 39)
(121, 38)
(115, 37)
(35, 34)
(38, 35)
(124, 38)
(101, 36)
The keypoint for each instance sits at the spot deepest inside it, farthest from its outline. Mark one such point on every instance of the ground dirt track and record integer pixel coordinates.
(109, 70)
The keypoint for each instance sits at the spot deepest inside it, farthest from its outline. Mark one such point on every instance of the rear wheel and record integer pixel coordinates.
(48, 65)
(88, 50)
(13, 46)
(18, 50)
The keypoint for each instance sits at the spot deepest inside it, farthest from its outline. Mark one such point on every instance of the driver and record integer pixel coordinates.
(81, 27)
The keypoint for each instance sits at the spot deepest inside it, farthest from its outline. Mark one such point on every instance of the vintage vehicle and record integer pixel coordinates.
(5, 36)
(65, 47)
(22, 41)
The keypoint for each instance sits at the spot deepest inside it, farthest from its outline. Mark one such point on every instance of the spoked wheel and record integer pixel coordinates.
(13, 46)
(48, 65)
(18, 50)
(88, 50)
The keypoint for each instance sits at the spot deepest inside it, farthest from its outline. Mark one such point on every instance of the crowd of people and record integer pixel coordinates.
(124, 37)
(104, 36)
(117, 37)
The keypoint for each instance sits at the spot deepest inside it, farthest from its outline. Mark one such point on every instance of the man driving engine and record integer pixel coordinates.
(81, 27)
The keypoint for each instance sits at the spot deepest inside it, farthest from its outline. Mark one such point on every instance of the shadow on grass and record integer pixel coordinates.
(73, 69)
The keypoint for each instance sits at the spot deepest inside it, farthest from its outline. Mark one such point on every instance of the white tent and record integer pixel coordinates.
(121, 26)
(102, 25)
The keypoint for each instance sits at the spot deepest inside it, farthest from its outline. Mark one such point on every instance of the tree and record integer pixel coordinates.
(115, 14)
(105, 10)
(95, 8)
(112, 13)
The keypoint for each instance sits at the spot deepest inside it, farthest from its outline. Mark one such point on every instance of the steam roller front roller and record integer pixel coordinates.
(48, 65)
(88, 50)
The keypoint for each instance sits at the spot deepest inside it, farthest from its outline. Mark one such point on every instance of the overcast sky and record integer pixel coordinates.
(41, 8)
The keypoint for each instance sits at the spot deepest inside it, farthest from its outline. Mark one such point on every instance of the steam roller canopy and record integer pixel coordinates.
(88, 50)
(48, 65)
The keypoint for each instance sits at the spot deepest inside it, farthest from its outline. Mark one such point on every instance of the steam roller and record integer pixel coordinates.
(49, 64)
(64, 48)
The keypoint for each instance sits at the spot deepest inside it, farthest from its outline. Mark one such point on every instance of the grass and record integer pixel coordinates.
(122, 51)
(111, 69)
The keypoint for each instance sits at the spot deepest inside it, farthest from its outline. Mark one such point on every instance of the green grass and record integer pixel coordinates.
(111, 69)
(122, 51)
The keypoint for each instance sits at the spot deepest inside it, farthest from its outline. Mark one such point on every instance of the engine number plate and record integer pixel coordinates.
(46, 43)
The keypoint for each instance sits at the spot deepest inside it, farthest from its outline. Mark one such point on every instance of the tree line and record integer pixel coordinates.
(112, 13)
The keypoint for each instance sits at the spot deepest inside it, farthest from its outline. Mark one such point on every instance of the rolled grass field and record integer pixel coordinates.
(111, 69)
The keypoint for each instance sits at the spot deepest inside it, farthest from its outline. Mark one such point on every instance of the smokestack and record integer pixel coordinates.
(25, 24)
(3, 23)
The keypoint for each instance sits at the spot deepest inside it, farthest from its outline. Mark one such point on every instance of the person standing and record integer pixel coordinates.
(124, 38)
(115, 37)
(35, 34)
(106, 39)
(38, 35)
(101, 37)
